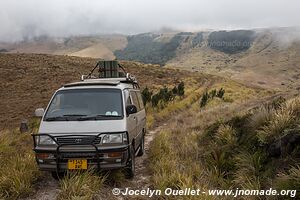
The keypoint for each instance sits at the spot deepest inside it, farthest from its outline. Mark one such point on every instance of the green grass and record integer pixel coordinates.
(18, 169)
(226, 149)
(289, 179)
(81, 185)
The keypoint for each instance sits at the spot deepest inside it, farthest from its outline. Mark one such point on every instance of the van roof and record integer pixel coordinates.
(119, 82)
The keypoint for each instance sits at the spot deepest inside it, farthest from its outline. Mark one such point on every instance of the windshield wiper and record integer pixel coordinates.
(74, 115)
(97, 117)
(57, 118)
(63, 118)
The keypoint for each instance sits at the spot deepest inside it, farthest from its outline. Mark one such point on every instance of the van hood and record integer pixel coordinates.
(81, 127)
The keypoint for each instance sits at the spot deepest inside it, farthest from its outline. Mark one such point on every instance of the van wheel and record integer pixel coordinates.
(130, 169)
(142, 147)
(58, 175)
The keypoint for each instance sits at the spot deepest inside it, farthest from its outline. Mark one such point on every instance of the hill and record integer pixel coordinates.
(188, 143)
(101, 46)
(266, 58)
(29, 80)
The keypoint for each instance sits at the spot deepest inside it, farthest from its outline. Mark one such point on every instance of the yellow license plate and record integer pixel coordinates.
(77, 164)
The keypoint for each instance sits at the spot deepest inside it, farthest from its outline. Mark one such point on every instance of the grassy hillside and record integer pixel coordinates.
(266, 58)
(231, 148)
(101, 46)
(29, 80)
(271, 61)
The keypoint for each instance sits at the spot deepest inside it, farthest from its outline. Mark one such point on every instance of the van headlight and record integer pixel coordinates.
(114, 138)
(45, 140)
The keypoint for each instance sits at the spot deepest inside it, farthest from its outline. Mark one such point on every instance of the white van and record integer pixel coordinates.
(95, 123)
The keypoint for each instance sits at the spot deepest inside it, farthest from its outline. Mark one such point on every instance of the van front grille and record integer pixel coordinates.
(69, 140)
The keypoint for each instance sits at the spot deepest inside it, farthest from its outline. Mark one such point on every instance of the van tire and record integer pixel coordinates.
(130, 169)
(142, 147)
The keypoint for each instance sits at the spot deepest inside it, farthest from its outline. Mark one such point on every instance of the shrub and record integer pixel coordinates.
(154, 100)
(221, 93)
(175, 90)
(146, 94)
(165, 95)
(204, 99)
(213, 93)
(210, 96)
(180, 89)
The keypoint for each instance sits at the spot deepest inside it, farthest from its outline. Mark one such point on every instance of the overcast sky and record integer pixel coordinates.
(21, 18)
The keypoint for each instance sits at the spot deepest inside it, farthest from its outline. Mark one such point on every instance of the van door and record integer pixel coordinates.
(135, 116)
(130, 120)
(141, 114)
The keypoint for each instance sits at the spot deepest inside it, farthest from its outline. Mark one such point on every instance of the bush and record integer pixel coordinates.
(206, 96)
(221, 93)
(204, 99)
(180, 89)
(213, 93)
(154, 100)
(175, 90)
(146, 95)
(164, 95)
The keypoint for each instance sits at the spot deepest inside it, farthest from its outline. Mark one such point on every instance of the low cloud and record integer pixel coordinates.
(57, 18)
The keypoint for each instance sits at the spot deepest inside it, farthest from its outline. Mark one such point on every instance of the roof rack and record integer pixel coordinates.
(110, 71)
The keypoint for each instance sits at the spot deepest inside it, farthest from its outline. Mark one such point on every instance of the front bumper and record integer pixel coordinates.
(55, 158)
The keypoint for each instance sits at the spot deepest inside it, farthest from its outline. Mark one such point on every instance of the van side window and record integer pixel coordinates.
(127, 98)
(138, 93)
(135, 100)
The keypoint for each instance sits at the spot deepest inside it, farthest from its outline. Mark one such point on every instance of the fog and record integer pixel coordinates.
(21, 19)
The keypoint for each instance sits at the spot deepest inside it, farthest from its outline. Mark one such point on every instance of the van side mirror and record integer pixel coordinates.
(39, 112)
(131, 109)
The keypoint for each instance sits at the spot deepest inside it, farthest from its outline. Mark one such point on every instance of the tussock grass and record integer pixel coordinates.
(226, 135)
(17, 176)
(228, 153)
(289, 180)
(248, 170)
(116, 177)
(18, 169)
(279, 120)
(80, 185)
(169, 169)
(260, 118)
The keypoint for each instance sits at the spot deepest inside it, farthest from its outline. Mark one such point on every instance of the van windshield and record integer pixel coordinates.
(85, 104)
